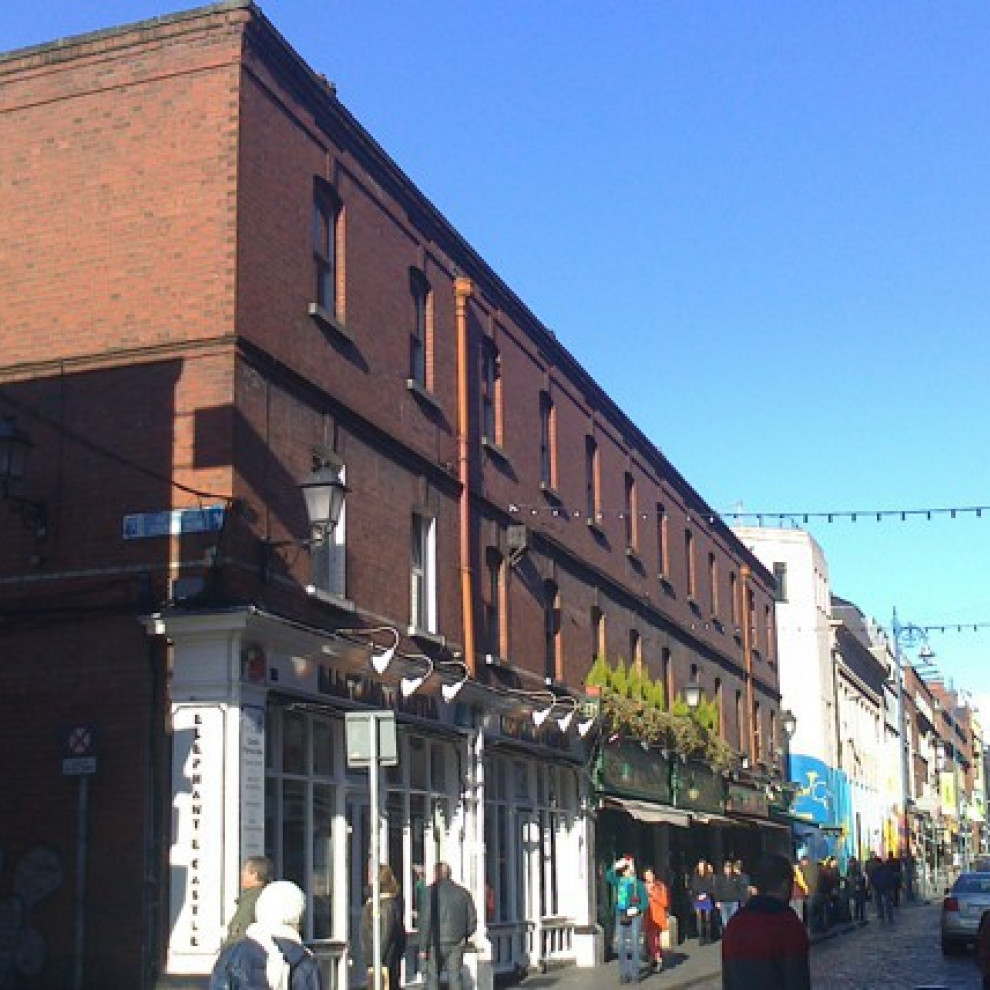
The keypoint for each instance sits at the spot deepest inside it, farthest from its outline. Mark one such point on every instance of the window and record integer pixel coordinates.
(421, 335)
(329, 555)
(718, 707)
(422, 580)
(740, 726)
(328, 249)
(734, 597)
(692, 578)
(768, 627)
(635, 648)
(495, 564)
(548, 442)
(597, 633)
(592, 480)
(667, 677)
(491, 393)
(551, 631)
(780, 579)
(663, 564)
(713, 582)
(757, 738)
(631, 513)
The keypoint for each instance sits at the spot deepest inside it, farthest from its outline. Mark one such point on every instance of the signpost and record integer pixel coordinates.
(79, 760)
(371, 743)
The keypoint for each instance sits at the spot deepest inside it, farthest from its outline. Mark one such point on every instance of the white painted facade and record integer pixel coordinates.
(804, 635)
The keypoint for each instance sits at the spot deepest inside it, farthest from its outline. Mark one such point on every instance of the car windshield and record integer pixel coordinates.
(972, 883)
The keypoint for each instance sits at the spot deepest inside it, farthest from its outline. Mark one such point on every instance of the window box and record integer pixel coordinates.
(329, 323)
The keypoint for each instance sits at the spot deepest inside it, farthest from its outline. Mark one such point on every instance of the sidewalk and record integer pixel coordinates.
(687, 965)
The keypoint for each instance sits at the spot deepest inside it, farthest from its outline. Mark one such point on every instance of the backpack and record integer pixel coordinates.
(232, 971)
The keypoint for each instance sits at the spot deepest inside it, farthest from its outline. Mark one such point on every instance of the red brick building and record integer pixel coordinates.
(214, 284)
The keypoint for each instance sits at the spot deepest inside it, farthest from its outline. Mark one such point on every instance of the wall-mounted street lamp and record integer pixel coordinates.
(692, 695)
(324, 493)
(15, 451)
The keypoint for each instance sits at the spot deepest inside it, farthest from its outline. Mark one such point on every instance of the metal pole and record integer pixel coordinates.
(82, 845)
(902, 741)
(376, 909)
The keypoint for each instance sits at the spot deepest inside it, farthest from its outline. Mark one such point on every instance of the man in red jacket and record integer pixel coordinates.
(765, 946)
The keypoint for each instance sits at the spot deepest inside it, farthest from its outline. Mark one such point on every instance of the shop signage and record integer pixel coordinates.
(699, 787)
(252, 781)
(747, 801)
(628, 769)
(197, 852)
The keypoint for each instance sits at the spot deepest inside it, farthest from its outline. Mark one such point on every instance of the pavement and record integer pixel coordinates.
(688, 965)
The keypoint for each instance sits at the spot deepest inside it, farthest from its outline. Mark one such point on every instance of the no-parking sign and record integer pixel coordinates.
(79, 750)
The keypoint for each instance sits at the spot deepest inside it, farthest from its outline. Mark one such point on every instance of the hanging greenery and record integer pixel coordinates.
(633, 706)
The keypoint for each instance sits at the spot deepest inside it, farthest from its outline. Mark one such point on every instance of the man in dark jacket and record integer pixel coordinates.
(448, 919)
(256, 872)
(765, 946)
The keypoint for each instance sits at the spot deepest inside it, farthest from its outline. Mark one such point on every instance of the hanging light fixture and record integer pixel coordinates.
(540, 715)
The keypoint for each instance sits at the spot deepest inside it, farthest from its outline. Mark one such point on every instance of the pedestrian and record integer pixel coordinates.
(799, 895)
(702, 900)
(765, 946)
(746, 888)
(897, 877)
(655, 920)
(860, 893)
(728, 896)
(882, 881)
(391, 926)
(983, 948)
(271, 955)
(631, 902)
(256, 873)
(447, 920)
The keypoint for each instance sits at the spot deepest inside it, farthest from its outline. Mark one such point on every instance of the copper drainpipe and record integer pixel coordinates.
(462, 292)
(746, 573)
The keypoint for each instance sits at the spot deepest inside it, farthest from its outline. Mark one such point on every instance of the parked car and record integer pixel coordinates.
(962, 908)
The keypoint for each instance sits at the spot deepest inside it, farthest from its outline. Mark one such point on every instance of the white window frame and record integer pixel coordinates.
(422, 573)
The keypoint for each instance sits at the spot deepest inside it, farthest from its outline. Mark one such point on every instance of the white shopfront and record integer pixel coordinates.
(259, 767)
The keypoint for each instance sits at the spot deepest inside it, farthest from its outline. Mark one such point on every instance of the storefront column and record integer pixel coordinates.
(207, 771)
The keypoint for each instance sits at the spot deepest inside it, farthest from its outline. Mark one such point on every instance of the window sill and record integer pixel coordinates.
(496, 451)
(329, 598)
(694, 605)
(634, 558)
(717, 623)
(327, 321)
(426, 636)
(423, 394)
(551, 493)
(666, 583)
(595, 528)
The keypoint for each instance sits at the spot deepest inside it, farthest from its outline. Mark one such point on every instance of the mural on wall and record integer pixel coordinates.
(815, 797)
(37, 874)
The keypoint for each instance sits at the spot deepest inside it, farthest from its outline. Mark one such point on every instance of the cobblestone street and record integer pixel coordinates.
(905, 956)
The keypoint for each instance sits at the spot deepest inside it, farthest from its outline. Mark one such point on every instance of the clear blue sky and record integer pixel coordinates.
(763, 227)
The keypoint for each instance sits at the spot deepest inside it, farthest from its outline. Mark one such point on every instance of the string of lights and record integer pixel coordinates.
(781, 518)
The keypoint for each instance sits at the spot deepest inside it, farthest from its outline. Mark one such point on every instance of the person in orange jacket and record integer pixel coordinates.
(655, 919)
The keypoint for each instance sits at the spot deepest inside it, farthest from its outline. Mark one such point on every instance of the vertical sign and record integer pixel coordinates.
(252, 781)
(196, 855)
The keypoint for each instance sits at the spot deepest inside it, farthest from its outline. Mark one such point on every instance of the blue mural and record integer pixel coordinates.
(815, 799)
(824, 800)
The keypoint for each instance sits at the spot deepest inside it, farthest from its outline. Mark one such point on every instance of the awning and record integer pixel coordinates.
(704, 818)
(740, 819)
(646, 811)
